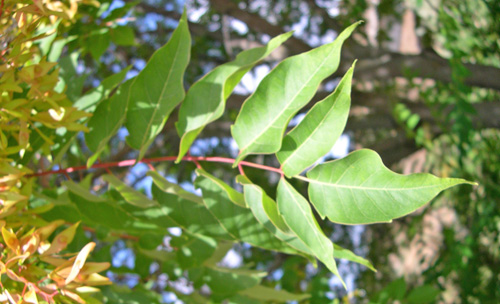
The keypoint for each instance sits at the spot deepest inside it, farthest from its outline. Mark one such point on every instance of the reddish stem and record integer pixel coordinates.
(195, 162)
(1, 8)
(240, 168)
(150, 167)
(131, 162)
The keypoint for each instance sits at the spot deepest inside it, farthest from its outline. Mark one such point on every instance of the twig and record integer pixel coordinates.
(131, 162)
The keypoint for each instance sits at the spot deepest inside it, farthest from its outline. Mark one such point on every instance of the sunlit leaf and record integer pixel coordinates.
(158, 89)
(299, 217)
(10, 239)
(206, 99)
(359, 189)
(268, 216)
(316, 134)
(264, 116)
(79, 262)
(62, 240)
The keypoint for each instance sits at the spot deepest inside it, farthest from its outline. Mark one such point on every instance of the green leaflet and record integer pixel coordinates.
(264, 293)
(316, 134)
(299, 217)
(195, 250)
(130, 195)
(158, 89)
(88, 103)
(265, 206)
(100, 211)
(205, 100)
(107, 119)
(256, 198)
(264, 116)
(172, 188)
(220, 252)
(234, 196)
(228, 281)
(189, 215)
(238, 221)
(346, 254)
(359, 189)
(90, 100)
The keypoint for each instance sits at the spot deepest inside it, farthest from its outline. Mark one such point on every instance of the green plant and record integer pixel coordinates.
(358, 189)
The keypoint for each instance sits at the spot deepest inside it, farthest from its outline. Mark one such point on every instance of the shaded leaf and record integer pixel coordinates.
(108, 117)
(123, 35)
(395, 290)
(158, 89)
(316, 134)
(91, 99)
(422, 295)
(299, 217)
(172, 188)
(227, 281)
(130, 195)
(238, 221)
(359, 189)
(196, 251)
(264, 116)
(188, 215)
(206, 99)
(264, 293)
(101, 211)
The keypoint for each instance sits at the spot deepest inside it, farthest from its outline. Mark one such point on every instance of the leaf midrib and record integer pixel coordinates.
(335, 185)
(308, 219)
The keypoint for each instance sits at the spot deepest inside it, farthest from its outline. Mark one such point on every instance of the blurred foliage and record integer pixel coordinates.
(92, 40)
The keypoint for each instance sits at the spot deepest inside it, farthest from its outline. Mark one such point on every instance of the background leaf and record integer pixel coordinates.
(264, 293)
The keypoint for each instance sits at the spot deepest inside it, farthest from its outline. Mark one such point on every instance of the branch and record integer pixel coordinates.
(255, 22)
(132, 162)
(373, 63)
